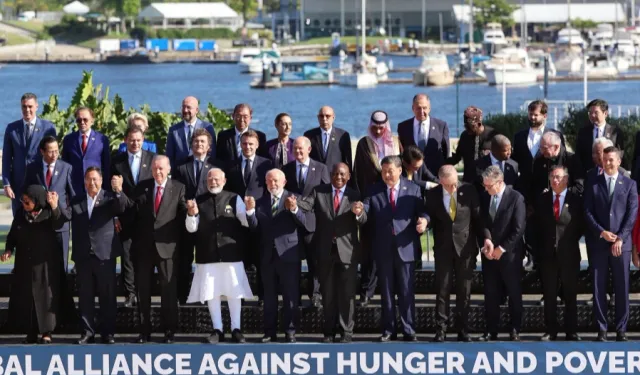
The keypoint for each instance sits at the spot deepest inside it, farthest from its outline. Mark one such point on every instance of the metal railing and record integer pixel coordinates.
(559, 109)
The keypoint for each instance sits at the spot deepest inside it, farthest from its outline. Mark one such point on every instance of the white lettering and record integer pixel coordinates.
(363, 363)
(320, 357)
(420, 368)
(222, 363)
(157, 364)
(436, 362)
(71, 366)
(596, 365)
(582, 362)
(120, 364)
(633, 362)
(55, 365)
(28, 368)
(208, 365)
(280, 364)
(13, 366)
(249, 364)
(500, 362)
(183, 363)
(352, 363)
(300, 364)
(616, 363)
(388, 361)
(554, 359)
(88, 365)
(482, 364)
(455, 360)
(527, 362)
(138, 364)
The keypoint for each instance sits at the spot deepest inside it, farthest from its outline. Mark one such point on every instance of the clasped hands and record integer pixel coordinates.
(490, 251)
(616, 242)
(358, 209)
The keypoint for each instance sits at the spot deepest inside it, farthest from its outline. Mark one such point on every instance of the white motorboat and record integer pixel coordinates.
(568, 59)
(537, 63)
(570, 37)
(598, 66)
(256, 63)
(247, 54)
(603, 37)
(434, 71)
(511, 66)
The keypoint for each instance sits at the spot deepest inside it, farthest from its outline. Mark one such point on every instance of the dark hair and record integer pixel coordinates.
(46, 140)
(412, 153)
(202, 132)
(392, 159)
(93, 168)
(604, 106)
(242, 106)
(556, 167)
(280, 116)
(27, 96)
(611, 149)
(250, 134)
(133, 129)
(83, 109)
(544, 108)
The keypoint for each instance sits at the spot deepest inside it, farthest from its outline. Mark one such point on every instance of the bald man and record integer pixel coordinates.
(179, 136)
(329, 145)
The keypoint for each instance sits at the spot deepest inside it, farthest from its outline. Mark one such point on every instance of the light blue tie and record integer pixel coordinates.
(325, 142)
(238, 145)
(135, 167)
(612, 186)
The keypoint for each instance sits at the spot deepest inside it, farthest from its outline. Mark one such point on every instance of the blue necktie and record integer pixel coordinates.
(135, 168)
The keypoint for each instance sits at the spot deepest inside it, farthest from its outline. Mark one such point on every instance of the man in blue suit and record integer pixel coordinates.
(611, 206)
(396, 209)
(179, 135)
(86, 148)
(21, 140)
(54, 175)
(277, 218)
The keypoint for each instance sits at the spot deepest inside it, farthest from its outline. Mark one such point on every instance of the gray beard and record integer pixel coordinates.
(215, 191)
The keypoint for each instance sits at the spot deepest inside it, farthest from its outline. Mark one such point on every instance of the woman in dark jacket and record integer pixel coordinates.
(38, 283)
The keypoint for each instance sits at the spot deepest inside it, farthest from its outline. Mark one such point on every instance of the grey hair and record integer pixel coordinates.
(556, 167)
(552, 138)
(307, 141)
(159, 157)
(446, 171)
(216, 170)
(605, 142)
(392, 159)
(277, 171)
(419, 96)
(499, 141)
(137, 116)
(494, 173)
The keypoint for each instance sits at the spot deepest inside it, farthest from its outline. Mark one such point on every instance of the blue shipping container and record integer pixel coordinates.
(184, 44)
(161, 44)
(128, 44)
(206, 45)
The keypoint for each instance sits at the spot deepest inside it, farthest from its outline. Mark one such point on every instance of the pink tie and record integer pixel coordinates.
(156, 205)
(392, 199)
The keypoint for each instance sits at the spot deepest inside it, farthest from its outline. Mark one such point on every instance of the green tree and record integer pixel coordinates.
(486, 11)
(581, 24)
(248, 8)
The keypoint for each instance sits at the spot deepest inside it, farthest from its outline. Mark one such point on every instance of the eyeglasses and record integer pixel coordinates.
(80, 120)
(487, 187)
(557, 177)
(242, 116)
(27, 202)
(325, 116)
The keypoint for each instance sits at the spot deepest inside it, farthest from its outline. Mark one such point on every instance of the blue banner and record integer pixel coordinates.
(184, 44)
(206, 45)
(160, 44)
(365, 358)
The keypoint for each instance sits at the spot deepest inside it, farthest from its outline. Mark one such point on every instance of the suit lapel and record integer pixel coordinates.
(90, 142)
(145, 163)
(190, 167)
(98, 203)
(166, 196)
(37, 129)
(607, 132)
(21, 134)
(84, 207)
(54, 175)
(564, 210)
(128, 170)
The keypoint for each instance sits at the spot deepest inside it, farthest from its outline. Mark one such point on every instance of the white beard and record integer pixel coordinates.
(276, 193)
(216, 190)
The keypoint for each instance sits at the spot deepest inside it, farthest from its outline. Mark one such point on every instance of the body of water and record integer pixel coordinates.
(163, 86)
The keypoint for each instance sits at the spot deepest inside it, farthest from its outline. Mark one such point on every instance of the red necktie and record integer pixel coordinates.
(84, 144)
(48, 176)
(556, 207)
(336, 201)
(392, 199)
(156, 205)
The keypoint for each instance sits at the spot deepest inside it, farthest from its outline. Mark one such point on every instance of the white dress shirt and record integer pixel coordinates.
(91, 202)
(340, 193)
(195, 165)
(533, 140)
(563, 195)
(325, 134)
(416, 129)
(238, 140)
(607, 177)
(88, 133)
(31, 125)
(134, 164)
(446, 198)
(600, 131)
(155, 189)
(192, 222)
(395, 195)
(46, 166)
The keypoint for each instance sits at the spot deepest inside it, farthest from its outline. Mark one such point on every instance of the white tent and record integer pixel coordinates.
(76, 7)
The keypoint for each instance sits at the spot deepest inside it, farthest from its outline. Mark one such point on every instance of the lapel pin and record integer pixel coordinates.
(333, 139)
(566, 204)
(313, 169)
(146, 189)
(404, 188)
(37, 129)
(56, 173)
(93, 139)
(544, 165)
(433, 128)
(461, 193)
(206, 166)
(144, 165)
(620, 182)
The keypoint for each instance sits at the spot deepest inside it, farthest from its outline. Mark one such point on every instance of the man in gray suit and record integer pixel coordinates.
(337, 250)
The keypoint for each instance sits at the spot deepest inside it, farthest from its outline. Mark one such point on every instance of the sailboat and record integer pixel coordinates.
(362, 74)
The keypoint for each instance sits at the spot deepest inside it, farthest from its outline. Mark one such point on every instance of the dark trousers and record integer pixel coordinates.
(146, 263)
(95, 275)
(127, 269)
(446, 263)
(285, 275)
(252, 257)
(368, 267)
(507, 271)
(185, 264)
(63, 244)
(397, 278)
(554, 271)
(313, 287)
(338, 287)
(601, 263)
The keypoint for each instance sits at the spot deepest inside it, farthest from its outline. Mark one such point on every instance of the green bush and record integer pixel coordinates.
(196, 33)
(508, 124)
(142, 33)
(111, 115)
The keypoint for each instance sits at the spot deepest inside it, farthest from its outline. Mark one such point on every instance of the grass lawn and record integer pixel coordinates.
(93, 42)
(35, 26)
(15, 39)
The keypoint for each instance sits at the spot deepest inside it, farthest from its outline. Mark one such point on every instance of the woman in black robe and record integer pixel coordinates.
(38, 282)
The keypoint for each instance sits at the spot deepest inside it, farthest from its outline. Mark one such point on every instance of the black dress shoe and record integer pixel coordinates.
(440, 337)
(30, 339)
(169, 338)
(290, 338)
(364, 301)
(237, 336)
(388, 337)
(327, 339)
(488, 337)
(143, 339)
(347, 338)
(410, 338)
(45, 339)
(573, 337)
(216, 337)
(549, 337)
(130, 301)
(602, 336)
(621, 336)
(86, 339)
(514, 335)
(269, 338)
(464, 337)
(108, 339)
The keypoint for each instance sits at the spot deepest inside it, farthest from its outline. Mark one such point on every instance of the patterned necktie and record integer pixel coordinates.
(29, 133)
(336, 201)
(494, 207)
(84, 144)
(556, 207)
(189, 136)
(48, 176)
(452, 208)
(238, 146)
(283, 153)
(476, 152)
(156, 204)
(274, 206)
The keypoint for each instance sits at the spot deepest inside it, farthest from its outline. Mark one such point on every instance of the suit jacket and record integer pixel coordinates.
(146, 146)
(540, 175)
(401, 221)
(317, 174)
(465, 151)
(271, 148)
(17, 153)
(522, 155)
(338, 150)
(159, 232)
(331, 229)
(186, 174)
(257, 185)
(60, 183)
(592, 174)
(584, 142)
(97, 234)
(511, 172)
(226, 150)
(437, 149)
(278, 233)
(421, 177)
(617, 215)
(98, 154)
(177, 149)
(559, 237)
(461, 234)
(507, 228)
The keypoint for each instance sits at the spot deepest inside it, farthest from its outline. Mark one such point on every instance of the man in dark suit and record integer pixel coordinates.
(454, 210)
(598, 112)
(134, 166)
(21, 140)
(396, 208)
(552, 153)
(161, 211)
(245, 176)
(277, 218)
(303, 175)
(86, 148)
(430, 134)
(500, 157)
(229, 145)
(54, 175)
(193, 175)
(559, 218)
(337, 250)
(280, 150)
(611, 206)
(414, 169)
(504, 215)
(599, 145)
(329, 144)
(179, 135)
(95, 248)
